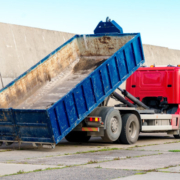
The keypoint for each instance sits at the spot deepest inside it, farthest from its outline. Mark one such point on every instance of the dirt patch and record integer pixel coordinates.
(104, 39)
(83, 65)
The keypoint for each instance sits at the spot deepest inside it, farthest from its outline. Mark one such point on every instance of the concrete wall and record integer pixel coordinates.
(161, 55)
(21, 47)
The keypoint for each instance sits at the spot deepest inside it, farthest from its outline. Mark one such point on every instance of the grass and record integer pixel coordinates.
(92, 162)
(71, 165)
(152, 170)
(82, 152)
(5, 150)
(172, 142)
(98, 166)
(155, 170)
(136, 146)
(144, 155)
(37, 170)
(116, 158)
(170, 166)
(165, 171)
(99, 150)
(167, 167)
(128, 157)
(20, 172)
(140, 173)
(60, 165)
(50, 156)
(177, 150)
(10, 161)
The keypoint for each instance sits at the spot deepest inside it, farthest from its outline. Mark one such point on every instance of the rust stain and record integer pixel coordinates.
(3, 118)
(104, 39)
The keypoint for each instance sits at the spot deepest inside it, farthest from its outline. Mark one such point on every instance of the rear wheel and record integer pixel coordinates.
(177, 136)
(130, 129)
(77, 136)
(8, 143)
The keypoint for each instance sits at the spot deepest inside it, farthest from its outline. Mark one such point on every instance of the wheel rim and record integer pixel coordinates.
(114, 125)
(132, 129)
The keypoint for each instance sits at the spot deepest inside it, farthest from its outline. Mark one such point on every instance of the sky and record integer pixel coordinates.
(158, 21)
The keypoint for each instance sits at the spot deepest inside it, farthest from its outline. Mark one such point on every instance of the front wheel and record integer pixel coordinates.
(77, 136)
(130, 129)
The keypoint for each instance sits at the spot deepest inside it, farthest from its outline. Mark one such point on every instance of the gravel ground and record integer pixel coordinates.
(151, 152)
(86, 157)
(73, 173)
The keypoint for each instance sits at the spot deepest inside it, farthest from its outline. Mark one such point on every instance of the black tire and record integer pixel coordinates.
(177, 136)
(77, 136)
(8, 143)
(130, 129)
(113, 126)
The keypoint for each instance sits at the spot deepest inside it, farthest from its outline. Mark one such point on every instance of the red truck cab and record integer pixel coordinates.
(157, 87)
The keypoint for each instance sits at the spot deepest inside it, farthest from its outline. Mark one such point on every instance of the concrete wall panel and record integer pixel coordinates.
(161, 55)
(21, 47)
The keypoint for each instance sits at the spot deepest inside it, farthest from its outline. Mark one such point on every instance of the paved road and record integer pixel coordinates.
(151, 156)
